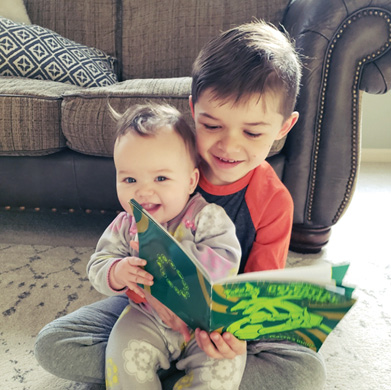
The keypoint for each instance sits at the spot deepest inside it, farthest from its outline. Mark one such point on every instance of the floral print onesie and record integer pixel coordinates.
(140, 343)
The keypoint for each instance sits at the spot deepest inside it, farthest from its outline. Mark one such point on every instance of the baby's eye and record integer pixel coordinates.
(130, 180)
(161, 178)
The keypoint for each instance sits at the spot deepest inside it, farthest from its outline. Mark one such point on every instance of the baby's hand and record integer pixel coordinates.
(128, 273)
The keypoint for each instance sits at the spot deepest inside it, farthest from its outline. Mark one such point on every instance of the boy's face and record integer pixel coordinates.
(156, 171)
(234, 138)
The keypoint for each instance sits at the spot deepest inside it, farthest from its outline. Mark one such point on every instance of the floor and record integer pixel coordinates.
(358, 351)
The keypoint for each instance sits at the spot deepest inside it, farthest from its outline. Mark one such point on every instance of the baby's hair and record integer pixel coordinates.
(148, 120)
(254, 58)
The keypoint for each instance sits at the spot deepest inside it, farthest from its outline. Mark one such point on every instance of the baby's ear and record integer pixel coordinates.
(195, 176)
(287, 125)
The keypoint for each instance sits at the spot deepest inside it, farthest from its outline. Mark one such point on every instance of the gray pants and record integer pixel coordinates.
(140, 344)
(73, 347)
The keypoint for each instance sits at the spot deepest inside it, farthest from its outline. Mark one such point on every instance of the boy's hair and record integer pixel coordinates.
(254, 58)
(147, 120)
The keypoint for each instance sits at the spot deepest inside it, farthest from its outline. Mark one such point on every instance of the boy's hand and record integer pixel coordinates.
(168, 317)
(128, 273)
(217, 346)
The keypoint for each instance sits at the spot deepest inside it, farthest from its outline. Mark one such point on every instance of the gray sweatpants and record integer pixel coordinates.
(140, 344)
(73, 347)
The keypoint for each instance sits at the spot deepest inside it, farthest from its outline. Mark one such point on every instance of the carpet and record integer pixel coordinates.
(39, 283)
(42, 282)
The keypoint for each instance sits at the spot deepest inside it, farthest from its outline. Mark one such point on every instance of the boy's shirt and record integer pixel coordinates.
(261, 208)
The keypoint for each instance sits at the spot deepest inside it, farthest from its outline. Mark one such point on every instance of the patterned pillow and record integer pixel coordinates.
(39, 53)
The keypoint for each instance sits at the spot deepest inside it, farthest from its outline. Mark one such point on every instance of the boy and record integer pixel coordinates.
(156, 163)
(245, 84)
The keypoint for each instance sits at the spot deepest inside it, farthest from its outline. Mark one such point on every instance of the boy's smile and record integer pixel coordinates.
(233, 138)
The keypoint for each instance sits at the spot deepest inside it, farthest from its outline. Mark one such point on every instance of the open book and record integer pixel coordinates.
(302, 304)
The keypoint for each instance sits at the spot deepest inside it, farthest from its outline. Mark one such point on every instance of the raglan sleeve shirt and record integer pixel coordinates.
(271, 209)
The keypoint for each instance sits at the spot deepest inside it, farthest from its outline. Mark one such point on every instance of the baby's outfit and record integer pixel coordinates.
(140, 343)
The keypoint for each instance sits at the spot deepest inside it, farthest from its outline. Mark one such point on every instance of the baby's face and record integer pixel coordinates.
(156, 171)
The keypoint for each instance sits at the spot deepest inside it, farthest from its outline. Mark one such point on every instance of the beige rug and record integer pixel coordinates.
(38, 283)
(41, 282)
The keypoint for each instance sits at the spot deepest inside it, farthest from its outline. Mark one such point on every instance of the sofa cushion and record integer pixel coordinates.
(89, 127)
(87, 123)
(162, 38)
(30, 116)
(95, 23)
(39, 53)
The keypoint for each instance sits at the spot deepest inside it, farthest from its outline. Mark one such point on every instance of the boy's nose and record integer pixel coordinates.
(229, 143)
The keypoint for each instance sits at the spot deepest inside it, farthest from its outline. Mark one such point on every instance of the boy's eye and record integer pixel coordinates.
(130, 180)
(253, 135)
(161, 178)
(211, 127)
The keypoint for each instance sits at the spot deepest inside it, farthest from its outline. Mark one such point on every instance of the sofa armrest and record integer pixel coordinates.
(346, 48)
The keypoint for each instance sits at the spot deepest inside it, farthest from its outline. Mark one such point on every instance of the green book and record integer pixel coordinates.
(302, 304)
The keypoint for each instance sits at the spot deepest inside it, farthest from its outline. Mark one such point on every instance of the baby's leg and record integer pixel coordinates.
(203, 372)
(135, 351)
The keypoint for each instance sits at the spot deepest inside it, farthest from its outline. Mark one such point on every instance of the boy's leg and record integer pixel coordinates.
(203, 372)
(280, 365)
(277, 365)
(135, 351)
(73, 347)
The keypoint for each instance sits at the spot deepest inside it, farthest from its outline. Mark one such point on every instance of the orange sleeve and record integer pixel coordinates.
(271, 208)
(135, 297)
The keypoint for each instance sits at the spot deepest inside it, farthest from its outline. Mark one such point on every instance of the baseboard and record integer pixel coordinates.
(376, 155)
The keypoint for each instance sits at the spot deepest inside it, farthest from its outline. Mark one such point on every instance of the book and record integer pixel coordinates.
(301, 304)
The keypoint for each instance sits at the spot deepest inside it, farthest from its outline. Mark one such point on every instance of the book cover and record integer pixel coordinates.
(301, 304)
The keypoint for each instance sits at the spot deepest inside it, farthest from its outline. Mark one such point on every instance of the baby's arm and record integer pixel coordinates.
(217, 247)
(112, 269)
(214, 242)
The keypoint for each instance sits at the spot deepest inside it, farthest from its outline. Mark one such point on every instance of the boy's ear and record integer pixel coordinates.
(191, 106)
(287, 125)
(195, 176)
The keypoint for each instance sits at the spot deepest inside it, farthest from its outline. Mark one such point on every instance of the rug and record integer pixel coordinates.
(40, 283)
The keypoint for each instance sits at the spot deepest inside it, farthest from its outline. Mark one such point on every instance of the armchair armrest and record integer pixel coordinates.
(346, 48)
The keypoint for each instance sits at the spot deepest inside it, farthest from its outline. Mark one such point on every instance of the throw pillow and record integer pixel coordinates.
(14, 10)
(35, 52)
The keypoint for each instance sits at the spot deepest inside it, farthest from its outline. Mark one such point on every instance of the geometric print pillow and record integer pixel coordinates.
(35, 52)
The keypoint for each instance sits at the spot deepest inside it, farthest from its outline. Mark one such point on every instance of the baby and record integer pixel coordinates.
(155, 157)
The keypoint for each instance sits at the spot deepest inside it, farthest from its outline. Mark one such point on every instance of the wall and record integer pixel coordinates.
(376, 127)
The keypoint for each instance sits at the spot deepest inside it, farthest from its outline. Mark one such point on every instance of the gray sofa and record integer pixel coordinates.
(56, 138)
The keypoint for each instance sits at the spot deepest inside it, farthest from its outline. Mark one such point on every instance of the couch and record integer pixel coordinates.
(56, 137)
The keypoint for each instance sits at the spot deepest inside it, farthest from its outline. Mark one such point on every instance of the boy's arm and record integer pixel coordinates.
(214, 242)
(273, 232)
